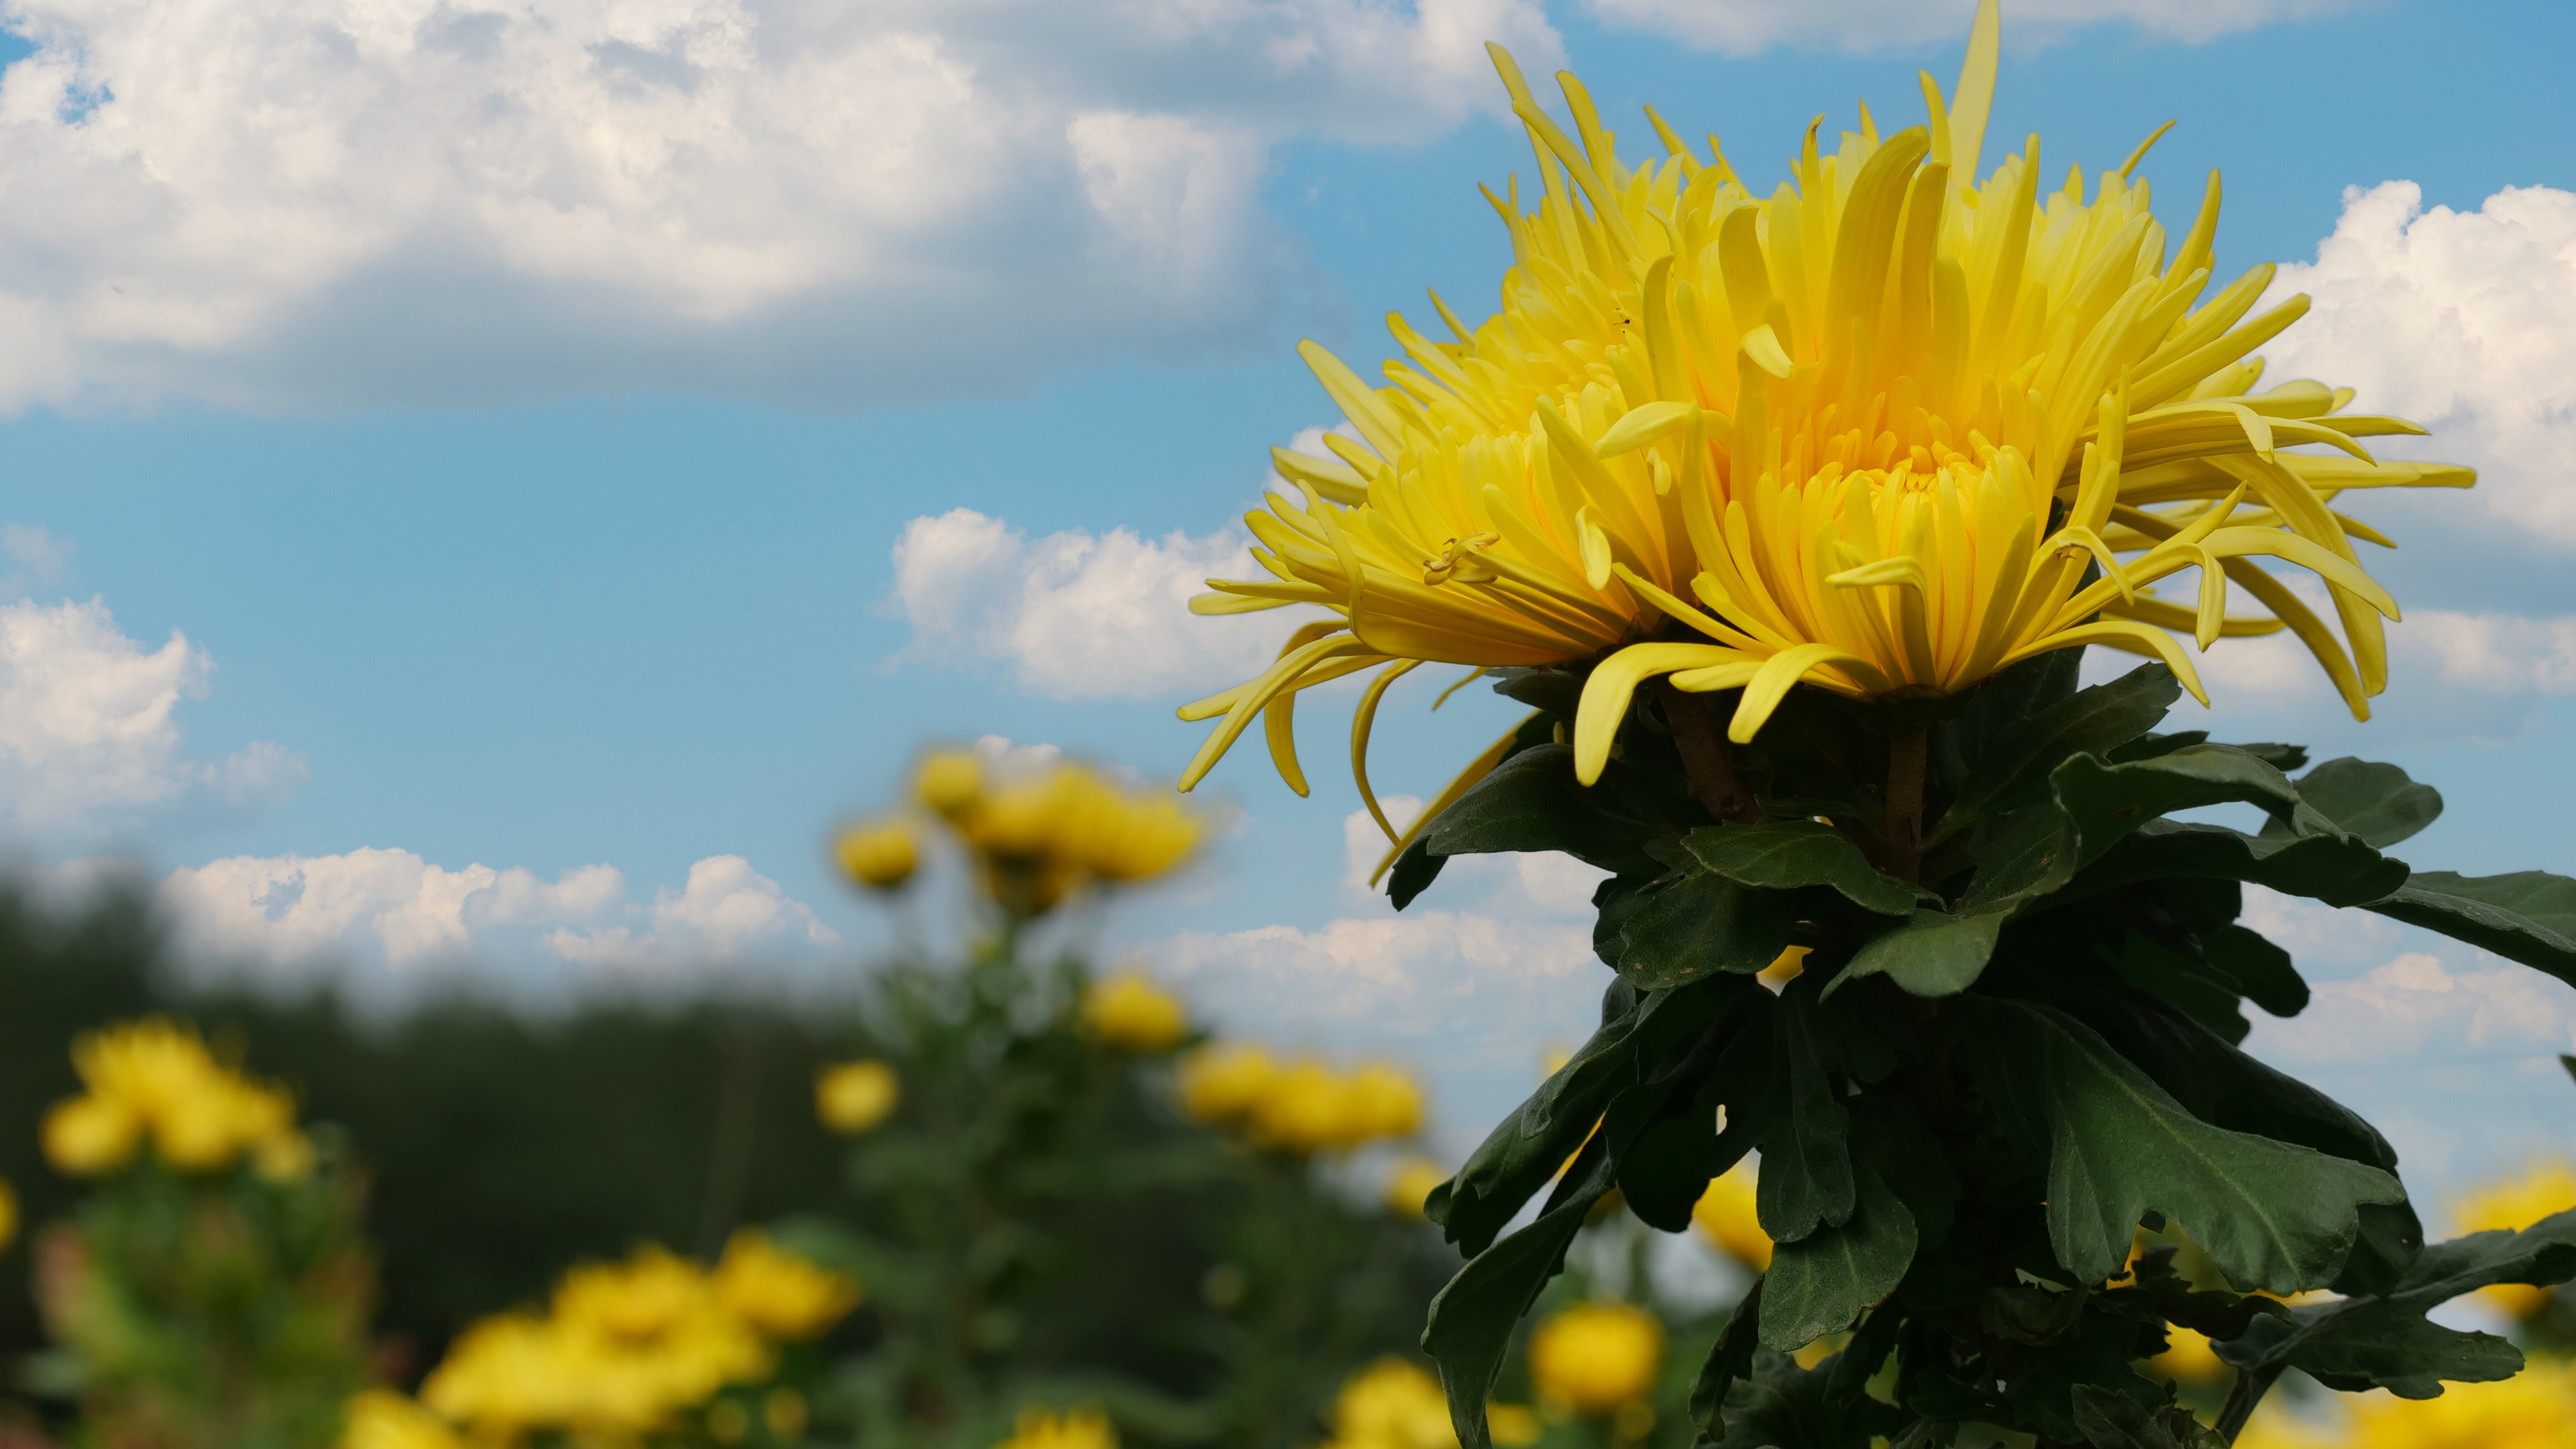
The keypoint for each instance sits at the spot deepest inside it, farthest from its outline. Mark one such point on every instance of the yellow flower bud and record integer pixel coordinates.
(950, 782)
(90, 1135)
(1596, 1357)
(855, 1097)
(882, 856)
(1129, 1012)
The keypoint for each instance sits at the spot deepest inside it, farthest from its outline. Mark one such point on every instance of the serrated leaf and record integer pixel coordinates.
(2097, 1353)
(2112, 1420)
(1695, 924)
(2375, 802)
(2528, 916)
(1790, 854)
(1473, 1317)
(1806, 1177)
(2387, 1342)
(1820, 1283)
(2094, 720)
(2273, 1215)
(1782, 1406)
(2337, 871)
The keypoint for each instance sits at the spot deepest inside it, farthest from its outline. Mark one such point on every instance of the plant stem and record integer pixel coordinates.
(1706, 757)
(2251, 1386)
(1907, 757)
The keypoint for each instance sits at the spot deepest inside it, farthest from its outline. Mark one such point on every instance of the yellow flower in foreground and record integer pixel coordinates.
(780, 1294)
(1410, 1185)
(881, 857)
(855, 1097)
(1596, 1357)
(2531, 1410)
(1129, 1012)
(1073, 1429)
(1867, 433)
(383, 1419)
(89, 1135)
(1222, 1083)
(2516, 1203)
(1391, 1404)
(1724, 1215)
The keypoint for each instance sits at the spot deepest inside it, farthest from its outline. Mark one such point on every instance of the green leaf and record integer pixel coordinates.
(1729, 1359)
(1789, 854)
(2338, 871)
(2528, 916)
(1782, 1406)
(2096, 720)
(2106, 802)
(2189, 984)
(1820, 1283)
(2111, 1420)
(1695, 924)
(2375, 802)
(1806, 1177)
(2387, 1342)
(2273, 1215)
(1526, 1148)
(1934, 954)
(2262, 972)
(2097, 1353)
(1473, 1318)
(1890, 1136)
(1531, 802)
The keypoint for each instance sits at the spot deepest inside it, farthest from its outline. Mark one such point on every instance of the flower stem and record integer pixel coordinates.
(1706, 757)
(1907, 757)
(2251, 1386)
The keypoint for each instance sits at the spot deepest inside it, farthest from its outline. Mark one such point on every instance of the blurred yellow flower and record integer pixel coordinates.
(1129, 1012)
(778, 1293)
(8, 1213)
(1222, 1083)
(881, 856)
(1724, 1215)
(2189, 1357)
(383, 1419)
(1513, 1426)
(1383, 1102)
(1392, 1404)
(783, 1410)
(286, 1157)
(949, 782)
(1411, 1183)
(2543, 1188)
(1868, 433)
(855, 1097)
(2534, 1409)
(1072, 1429)
(1595, 1357)
(89, 1135)
(154, 1080)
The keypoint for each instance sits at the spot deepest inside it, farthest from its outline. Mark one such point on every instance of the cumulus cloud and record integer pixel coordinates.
(2463, 321)
(1747, 27)
(1078, 615)
(369, 912)
(300, 203)
(89, 749)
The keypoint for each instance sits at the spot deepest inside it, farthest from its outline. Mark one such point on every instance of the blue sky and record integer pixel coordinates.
(520, 424)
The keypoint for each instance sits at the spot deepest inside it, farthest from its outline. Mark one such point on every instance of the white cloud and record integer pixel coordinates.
(373, 911)
(1078, 615)
(88, 746)
(2415, 1008)
(43, 557)
(1747, 27)
(2462, 321)
(298, 203)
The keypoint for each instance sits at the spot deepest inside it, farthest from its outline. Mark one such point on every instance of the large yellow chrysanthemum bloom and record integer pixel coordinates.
(1868, 433)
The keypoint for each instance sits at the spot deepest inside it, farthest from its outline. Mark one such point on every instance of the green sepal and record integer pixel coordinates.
(2273, 1215)
(1786, 855)
(2528, 916)
(1820, 1283)
(1473, 1318)
(2376, 803)
(2386, 1341)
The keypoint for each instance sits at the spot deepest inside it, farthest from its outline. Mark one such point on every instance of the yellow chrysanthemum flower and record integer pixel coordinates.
(1595, 1358)
(856, 1097)
(1072, 1429)
(1867, 433)
(780, 1294)
(90, 1135)
(1724, 1215)
(2544, 1188)
(1223, 1083)
(383, 1419)
(1391, 1404)
(882, 856)
(1129, 1012)
(155, 1080)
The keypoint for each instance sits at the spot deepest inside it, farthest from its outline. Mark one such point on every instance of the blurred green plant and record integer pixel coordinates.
(213, 1289)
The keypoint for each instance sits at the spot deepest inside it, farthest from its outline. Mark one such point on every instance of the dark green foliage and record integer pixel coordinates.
(1985, 1085)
